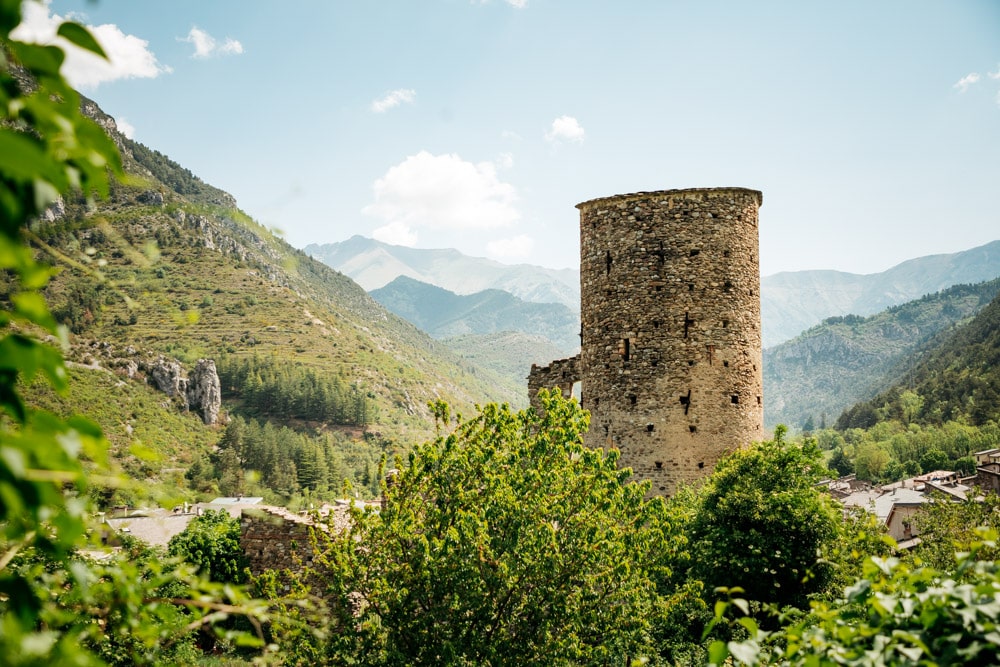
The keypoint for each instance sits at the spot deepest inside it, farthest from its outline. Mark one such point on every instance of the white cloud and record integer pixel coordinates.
(125, 127)
(518, 247)
(440, 192)
(393, 99)
(206, 46)
(966, 81)
(396, 233)
(505, 161)
(128, 56)
(996, 74)
(565, 128)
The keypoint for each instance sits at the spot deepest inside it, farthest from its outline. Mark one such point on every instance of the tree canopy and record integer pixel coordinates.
(505, 541)
(760, 523)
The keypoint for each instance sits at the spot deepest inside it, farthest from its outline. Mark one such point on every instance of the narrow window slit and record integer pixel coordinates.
(625, 349)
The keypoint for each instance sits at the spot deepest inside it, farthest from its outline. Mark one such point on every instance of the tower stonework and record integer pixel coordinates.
(670, 359)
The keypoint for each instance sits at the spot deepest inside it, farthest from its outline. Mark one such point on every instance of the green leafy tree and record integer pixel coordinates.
(760, 523)
(504, 542)
(947, 527)
(840, 462)
(870, 461)
(934, 459)
(211, 542)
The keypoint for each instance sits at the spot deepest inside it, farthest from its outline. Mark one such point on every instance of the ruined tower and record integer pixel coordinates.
(670, 360)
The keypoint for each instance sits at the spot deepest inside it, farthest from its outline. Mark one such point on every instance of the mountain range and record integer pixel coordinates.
(791, 302)
(444, 314)
(373, 264)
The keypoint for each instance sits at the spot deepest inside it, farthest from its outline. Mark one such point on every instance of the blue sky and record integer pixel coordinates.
(873, 128)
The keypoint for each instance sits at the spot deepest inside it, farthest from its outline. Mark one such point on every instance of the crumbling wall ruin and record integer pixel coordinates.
(561, 374)
(273, 538)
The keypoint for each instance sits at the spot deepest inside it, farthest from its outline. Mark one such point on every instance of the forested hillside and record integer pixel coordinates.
(943, 408)
(810, 379)
(956, 380)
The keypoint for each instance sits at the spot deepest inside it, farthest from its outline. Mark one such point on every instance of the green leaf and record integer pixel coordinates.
(32, 307)
(38, 59)
(745, 653)
(22, 158)
(743, 605)
(717, 652)
(77, 34)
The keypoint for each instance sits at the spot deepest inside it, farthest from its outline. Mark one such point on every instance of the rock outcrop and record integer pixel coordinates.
(200, 391)
(204, 391)
(167, 376)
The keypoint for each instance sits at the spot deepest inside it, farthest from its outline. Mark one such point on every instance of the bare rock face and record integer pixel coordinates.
(151, 197)
(204, 391)
(55, 211)
(166, 376)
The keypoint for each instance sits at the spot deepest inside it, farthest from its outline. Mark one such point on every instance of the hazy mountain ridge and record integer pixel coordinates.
(444, 314)
(791, 302)
(374, 264)
(848, 359)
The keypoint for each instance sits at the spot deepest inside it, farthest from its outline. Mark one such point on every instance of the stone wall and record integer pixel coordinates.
(275, 539)
(563, 374)
(670, 357)
(988, 478)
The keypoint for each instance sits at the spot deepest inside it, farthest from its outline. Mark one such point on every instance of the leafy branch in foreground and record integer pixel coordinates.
(56, 606)
(894, 615)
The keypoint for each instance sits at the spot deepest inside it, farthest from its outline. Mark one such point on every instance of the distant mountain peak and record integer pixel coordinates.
(374, 264)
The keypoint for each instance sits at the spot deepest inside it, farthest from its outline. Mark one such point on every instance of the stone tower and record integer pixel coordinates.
(670, 359)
